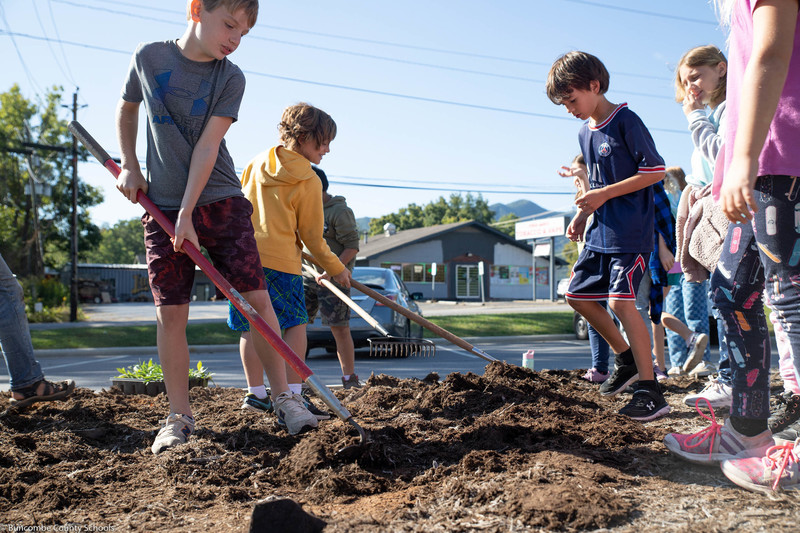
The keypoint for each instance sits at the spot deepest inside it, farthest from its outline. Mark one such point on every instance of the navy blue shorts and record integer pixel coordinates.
(600, 276)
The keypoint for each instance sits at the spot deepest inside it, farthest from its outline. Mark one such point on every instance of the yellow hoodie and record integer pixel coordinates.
(286, 195)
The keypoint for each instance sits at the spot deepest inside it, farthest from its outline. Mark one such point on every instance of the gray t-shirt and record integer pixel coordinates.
(179, 96)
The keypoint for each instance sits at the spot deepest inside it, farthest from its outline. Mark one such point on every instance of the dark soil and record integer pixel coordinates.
(512, 450)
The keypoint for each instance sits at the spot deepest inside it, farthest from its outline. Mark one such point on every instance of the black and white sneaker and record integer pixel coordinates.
(646, 404)
(313, 409)
(789, 434)
(620, 379)
(787, 413)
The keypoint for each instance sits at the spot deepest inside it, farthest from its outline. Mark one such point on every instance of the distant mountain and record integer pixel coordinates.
(520, 208)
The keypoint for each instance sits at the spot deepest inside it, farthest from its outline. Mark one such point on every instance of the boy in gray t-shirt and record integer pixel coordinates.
(191, 94)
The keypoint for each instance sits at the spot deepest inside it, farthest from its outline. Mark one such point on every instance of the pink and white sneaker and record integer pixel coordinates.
(594, 376)
(778, 469)
(716, 442)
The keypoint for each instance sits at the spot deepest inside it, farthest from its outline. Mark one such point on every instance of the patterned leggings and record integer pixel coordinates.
(764, 252)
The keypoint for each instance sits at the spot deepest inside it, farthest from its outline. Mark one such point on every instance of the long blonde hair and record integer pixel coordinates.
(724, 11)
(709, 56)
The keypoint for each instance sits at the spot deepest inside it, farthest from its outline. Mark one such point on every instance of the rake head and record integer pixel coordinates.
(400, 347)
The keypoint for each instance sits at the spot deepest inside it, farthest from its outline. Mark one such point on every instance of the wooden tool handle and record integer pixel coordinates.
(411, 315)
(349, 301)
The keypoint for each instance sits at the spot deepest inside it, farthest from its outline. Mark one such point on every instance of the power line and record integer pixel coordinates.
(450, 189)
(433, 100)
(476, 188)
(28, 73)
(52, 52)
(642, 12)
(367, 91)
(58, 35)
(361, 54)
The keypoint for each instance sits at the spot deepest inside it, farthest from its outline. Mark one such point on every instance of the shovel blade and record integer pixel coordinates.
(401, 347)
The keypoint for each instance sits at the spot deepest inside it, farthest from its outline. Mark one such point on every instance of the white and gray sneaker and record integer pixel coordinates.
(176, 430)
(291, 411)
(717, 393)
(703, 369)
(695, 348)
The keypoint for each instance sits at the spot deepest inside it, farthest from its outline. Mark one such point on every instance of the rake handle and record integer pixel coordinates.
(205, 265)
(411, 315)
(349, 301)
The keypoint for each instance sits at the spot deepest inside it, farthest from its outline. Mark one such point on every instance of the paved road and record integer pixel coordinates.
(93, 368)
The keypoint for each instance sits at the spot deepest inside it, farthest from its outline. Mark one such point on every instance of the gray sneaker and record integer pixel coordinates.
(291, 411)
(176, 430)
(695, 349)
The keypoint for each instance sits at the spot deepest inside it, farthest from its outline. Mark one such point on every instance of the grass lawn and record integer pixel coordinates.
(127, 336)
(504, 325)
(219, 333)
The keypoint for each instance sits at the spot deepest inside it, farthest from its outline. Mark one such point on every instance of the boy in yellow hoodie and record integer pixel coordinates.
(286, 195)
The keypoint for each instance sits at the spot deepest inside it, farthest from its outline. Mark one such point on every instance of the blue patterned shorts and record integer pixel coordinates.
(288, 301)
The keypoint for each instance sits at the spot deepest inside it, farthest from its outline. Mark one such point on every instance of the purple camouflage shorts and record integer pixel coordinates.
(225, 230)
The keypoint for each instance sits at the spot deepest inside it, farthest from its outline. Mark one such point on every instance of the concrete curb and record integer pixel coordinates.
(207, 348)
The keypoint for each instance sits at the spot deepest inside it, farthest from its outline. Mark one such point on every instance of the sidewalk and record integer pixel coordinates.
(142, 314)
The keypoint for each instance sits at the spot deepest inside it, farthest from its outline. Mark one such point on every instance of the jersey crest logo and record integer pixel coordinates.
(604, 150)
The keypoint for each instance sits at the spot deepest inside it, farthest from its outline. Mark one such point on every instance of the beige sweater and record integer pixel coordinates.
(701, 229)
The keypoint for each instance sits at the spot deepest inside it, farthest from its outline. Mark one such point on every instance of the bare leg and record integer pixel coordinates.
(253, 369)
(637, 335)
(173, 353)
(271, 360)
(295, 337)
(345, 349)
(658, 339)
(658, 345)
(600, 320)
(673, 324)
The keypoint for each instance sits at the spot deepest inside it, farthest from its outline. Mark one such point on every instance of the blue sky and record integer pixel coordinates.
(439, 94)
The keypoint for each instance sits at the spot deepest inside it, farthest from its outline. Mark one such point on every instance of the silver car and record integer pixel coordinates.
(386, 282)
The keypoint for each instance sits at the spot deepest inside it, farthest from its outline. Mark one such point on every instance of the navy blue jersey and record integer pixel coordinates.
(616, 149)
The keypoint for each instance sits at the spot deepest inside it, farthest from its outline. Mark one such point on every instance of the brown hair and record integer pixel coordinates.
(709, 56)
(303, 121)
(250, 7)
(674, 177)
(575, 70)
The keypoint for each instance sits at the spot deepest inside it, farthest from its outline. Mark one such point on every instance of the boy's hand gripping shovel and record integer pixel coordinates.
(346, 453)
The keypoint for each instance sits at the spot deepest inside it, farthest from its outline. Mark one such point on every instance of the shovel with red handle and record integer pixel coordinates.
(238, 301)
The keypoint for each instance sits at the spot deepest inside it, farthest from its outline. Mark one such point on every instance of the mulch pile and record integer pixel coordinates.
(511, 450)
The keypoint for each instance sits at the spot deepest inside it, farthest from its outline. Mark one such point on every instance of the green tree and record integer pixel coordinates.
(35, 226)
(506, 224)
(570, 253)
(119, 244)
(458, 209)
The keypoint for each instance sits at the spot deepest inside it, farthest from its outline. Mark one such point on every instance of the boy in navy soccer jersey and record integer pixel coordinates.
(623, 163)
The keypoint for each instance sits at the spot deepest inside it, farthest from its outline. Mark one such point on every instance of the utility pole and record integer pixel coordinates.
(73, 286)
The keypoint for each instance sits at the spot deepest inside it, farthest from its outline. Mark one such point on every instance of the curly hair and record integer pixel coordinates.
(575, 70)
(301, 122)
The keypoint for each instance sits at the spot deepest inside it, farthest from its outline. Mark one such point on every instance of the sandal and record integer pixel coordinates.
(52, 391)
